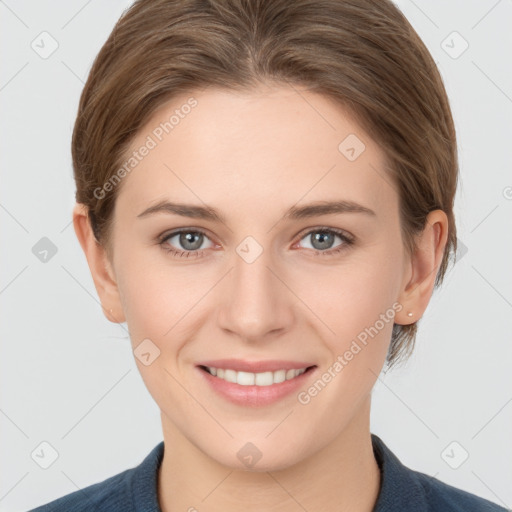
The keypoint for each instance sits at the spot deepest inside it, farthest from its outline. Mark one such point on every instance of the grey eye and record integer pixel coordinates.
(322, 239)
(187, 240)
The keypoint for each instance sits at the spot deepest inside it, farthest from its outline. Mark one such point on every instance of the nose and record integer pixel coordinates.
(256, 302)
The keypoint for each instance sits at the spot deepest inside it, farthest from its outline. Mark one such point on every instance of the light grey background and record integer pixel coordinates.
(68, 376)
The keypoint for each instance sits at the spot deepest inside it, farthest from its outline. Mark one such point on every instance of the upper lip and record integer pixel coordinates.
(255, 366)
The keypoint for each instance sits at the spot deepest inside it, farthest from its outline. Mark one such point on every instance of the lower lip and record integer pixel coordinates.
(255, 396)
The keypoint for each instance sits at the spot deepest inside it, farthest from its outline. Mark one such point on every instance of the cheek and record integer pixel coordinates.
(356, 304)
(350, 297)
(156, 295)
(157, 302)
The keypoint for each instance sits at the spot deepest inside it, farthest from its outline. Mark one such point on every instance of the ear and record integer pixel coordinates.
(425, 262)
(99, 265)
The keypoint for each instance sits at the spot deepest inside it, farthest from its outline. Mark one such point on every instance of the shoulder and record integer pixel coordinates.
(110, 494)
(125, 492)
(441, 496)
(403, 488)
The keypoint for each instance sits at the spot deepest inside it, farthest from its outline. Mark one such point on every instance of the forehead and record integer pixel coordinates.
(281, 143)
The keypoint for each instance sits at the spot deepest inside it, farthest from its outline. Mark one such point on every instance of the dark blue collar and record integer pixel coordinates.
(399, 488)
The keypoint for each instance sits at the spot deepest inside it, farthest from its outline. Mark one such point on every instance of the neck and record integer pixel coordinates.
(343, 476)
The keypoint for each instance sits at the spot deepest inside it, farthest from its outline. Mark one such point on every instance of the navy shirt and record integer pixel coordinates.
(402, 489)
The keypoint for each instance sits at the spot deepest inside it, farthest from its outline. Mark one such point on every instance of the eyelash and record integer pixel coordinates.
(347, 242)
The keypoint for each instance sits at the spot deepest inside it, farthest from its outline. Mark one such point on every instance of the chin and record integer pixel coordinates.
(251, 457)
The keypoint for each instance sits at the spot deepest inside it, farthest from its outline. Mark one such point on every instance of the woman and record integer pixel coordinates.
(265, 196)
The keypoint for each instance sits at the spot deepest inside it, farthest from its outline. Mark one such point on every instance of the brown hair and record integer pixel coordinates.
(364, 54)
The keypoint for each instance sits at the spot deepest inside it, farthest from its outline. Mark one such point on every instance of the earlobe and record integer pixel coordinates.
(425, 263)
(99, 265)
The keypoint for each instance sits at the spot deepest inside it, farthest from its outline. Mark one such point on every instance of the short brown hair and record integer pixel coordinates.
(364, 54)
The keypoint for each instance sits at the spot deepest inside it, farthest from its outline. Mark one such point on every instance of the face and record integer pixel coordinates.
(251, 279)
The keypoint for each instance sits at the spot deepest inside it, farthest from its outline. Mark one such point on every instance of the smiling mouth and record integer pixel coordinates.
(255, 379)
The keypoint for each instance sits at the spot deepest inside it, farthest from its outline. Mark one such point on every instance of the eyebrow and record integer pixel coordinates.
(294, 213)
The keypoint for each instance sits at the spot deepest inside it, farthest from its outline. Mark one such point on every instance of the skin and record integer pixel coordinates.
(252, 156)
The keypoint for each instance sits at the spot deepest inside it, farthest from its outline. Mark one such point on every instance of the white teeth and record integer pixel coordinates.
(245, 378)
(258, 379)
(264, 379)
(279, 376)
(230, 376)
